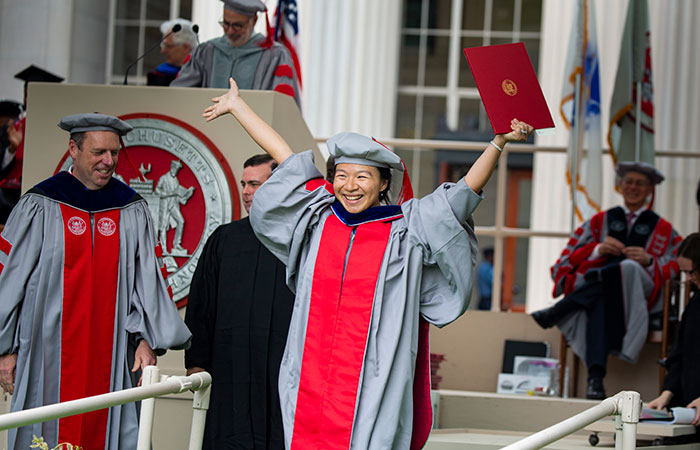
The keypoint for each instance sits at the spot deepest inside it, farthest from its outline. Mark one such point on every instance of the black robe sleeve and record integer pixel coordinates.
(201, 304)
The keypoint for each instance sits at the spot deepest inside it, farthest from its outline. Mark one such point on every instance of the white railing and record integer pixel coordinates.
(626, 406)
(152, 386)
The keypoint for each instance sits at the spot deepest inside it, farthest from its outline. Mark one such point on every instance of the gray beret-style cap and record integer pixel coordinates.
(79, 123)
(245, 7)
(647, 169)
(355, 148)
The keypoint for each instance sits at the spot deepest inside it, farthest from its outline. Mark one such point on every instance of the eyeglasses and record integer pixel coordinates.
(168, 46)
(639, 183)
(235, 26)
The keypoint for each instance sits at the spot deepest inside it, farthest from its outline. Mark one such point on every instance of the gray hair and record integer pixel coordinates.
(184, 36)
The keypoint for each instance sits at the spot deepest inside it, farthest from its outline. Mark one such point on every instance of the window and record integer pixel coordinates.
(437, 97)
(135, 28)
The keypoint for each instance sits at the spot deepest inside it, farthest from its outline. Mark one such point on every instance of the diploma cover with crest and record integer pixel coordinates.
(508, 86)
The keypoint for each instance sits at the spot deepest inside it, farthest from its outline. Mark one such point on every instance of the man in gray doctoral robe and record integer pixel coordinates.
(83, 305)
(255, 62)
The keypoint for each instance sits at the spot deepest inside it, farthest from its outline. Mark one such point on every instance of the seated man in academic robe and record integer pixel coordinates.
(611, 273)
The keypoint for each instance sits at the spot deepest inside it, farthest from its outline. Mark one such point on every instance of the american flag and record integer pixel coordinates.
(287, 31)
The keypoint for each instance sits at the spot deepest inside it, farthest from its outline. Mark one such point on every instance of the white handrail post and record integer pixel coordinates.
(200, 405)
(151, 374)
(630, 412)
(618, 432)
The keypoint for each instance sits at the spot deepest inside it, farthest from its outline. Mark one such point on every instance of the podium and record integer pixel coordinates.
(187, 169)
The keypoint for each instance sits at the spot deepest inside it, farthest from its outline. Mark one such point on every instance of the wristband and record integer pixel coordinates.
(500, 150)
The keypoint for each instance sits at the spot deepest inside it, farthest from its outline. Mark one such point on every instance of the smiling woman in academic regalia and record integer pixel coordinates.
(363, 274)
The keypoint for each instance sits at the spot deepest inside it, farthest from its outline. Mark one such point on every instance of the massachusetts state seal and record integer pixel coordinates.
(189, 187)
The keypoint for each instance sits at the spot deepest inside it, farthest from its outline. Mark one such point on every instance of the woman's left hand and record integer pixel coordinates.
(521, 131)
(223, 104)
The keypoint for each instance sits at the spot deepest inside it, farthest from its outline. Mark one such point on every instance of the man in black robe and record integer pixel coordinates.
(239, 310)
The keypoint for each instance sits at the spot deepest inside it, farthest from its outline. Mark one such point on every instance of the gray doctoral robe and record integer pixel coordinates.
(426, 270)
(32, 257)
(641, 286)
(253, 67)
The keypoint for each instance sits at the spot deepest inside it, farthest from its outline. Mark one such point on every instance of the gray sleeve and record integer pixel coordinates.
(195, 73)
(274, 70)
(441, 224)
(20, 247)
(287, 206)
(153, 314)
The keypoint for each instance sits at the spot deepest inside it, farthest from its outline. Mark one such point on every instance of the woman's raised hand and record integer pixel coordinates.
(223, 104)
(521, 131)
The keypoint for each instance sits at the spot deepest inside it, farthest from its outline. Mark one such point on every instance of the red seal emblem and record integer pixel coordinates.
(106, 226)
(509, 87)
(76, 225)
(188, 186)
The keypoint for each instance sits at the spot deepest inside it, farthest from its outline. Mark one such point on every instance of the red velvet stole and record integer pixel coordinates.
(90, 274)
(336, 333)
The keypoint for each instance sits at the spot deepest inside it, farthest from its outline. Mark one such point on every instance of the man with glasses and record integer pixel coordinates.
(176, 48)
(255, 62)
(611, 273)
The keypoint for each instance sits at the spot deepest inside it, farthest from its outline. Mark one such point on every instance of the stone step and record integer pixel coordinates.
(488, 411)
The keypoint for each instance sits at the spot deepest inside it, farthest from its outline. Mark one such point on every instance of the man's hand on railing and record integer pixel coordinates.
(8, 364)
(145, 356)
(192, 370)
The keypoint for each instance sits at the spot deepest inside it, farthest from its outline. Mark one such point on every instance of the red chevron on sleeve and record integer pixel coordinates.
(284, 70)
(582, 253)
(5, 245)
(316, 183)
(285, 88)
(597, 225)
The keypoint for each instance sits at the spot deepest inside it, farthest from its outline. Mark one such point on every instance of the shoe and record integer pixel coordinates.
(595, 390)
(548, 317)
(544, 317)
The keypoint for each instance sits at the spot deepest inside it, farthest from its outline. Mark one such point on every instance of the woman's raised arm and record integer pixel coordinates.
(258, 129)
(480, 172)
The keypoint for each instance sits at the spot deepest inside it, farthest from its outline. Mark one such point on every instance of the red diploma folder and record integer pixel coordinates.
(508, 86)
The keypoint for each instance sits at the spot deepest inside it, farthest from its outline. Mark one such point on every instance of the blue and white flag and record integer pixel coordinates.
(583, 120)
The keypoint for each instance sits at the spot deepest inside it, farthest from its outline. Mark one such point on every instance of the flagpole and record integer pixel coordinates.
(638, 124)
(575, 149)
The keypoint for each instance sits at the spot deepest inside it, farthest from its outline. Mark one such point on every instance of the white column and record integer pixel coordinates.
(350, 65)
(33, 32)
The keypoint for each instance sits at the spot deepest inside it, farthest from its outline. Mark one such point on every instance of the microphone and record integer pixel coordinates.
(195, 29)
(177, 27)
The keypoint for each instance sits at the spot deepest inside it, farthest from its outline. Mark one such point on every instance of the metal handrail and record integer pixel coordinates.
(153, 386)
(626, 406)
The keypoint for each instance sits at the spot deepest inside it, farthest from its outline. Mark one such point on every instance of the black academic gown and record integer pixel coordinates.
(239, 310)
(683, 363)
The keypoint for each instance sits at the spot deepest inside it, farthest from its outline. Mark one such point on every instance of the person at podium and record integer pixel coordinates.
(254, 61)
(176, 48)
